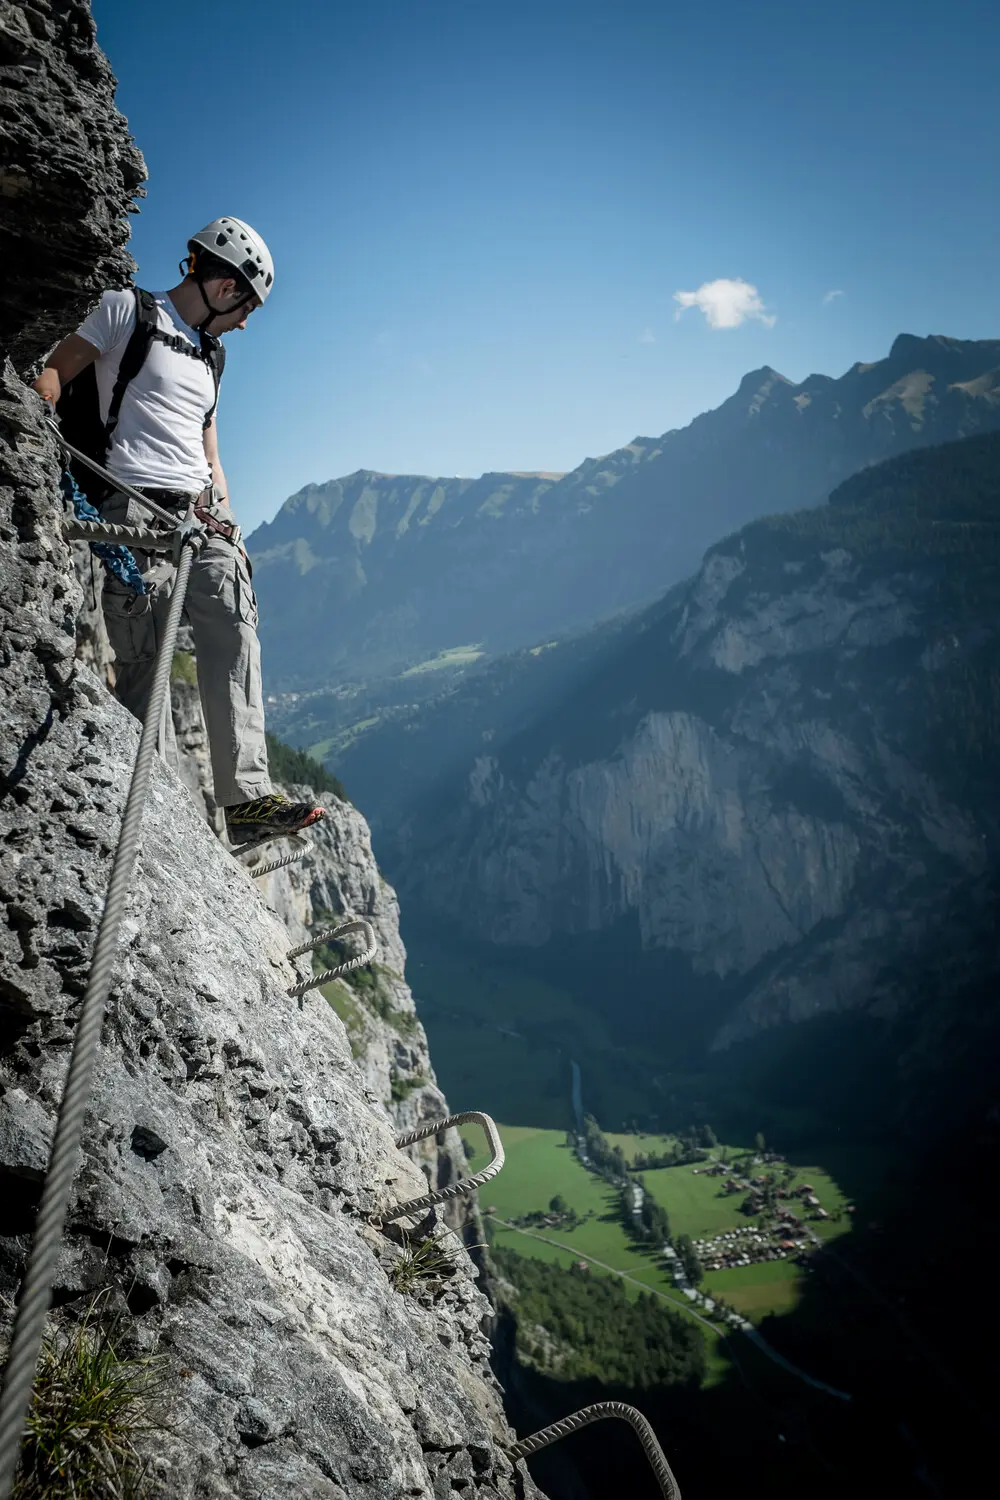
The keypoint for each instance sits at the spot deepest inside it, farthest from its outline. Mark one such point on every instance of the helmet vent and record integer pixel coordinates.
(221, 239)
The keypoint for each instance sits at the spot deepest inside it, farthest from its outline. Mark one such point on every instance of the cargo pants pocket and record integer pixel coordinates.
(246, 598)
(130, 623)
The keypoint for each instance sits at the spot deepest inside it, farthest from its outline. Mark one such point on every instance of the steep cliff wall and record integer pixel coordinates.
(236, 1152)
(340, 878)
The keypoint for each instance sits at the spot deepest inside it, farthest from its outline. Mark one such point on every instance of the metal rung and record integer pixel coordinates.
(334, 934)
(467, 1184)
(255, 851)
(131, 536)
(669, 1487)
(279, 864)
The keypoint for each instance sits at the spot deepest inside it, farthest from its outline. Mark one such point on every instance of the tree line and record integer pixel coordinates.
(594, 1330)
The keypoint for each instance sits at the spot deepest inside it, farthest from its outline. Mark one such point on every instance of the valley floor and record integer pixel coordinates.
(541, 1166)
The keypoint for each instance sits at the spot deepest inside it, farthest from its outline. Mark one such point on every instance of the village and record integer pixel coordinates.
(782, 1227)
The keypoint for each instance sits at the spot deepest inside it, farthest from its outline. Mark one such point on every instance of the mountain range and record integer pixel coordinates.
(367, 576)
(761, 806)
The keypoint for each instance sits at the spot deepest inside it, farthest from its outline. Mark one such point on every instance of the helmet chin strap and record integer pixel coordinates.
(190, 268)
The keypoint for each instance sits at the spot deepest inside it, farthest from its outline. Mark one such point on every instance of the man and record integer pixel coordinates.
(163, 441)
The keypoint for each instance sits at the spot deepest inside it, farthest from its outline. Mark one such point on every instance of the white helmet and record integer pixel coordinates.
(240, 247)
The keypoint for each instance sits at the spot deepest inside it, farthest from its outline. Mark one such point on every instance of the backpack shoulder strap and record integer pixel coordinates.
(134, 356)
(214, 352)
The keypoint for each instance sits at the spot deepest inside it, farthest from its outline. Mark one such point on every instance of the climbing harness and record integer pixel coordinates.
(118, 484)
(669, 1487)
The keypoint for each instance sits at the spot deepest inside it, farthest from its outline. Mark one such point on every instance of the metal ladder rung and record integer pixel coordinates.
(467, 1184)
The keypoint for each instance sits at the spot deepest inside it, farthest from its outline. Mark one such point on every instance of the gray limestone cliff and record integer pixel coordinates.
(340, 878)
(240, 1144)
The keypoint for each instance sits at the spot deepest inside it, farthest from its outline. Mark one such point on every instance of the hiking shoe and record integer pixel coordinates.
(266, 817)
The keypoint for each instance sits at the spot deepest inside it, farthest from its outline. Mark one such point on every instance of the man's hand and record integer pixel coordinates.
(48, 387)
(66, 360)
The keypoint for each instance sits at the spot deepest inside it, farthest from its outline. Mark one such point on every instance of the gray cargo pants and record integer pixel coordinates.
(221, 608)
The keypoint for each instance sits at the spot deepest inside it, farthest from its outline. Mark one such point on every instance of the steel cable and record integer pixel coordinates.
(36, 1288)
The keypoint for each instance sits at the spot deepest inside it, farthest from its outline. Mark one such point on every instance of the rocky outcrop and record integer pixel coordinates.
(69, 173)
(338, 879)
(237, 1156)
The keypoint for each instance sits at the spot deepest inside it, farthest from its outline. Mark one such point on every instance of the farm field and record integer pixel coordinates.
(773, 1286)
(633, 1145)
(698, 1206)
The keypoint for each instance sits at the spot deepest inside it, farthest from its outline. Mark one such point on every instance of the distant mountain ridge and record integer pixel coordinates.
(366, 575)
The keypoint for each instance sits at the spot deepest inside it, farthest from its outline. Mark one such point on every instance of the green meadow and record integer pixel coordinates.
(540, 1165)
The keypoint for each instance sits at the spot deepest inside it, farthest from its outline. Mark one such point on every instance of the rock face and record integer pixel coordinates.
(68, 175)
(236, 1156)
(386, 571)
(340, 879)
(781, 775)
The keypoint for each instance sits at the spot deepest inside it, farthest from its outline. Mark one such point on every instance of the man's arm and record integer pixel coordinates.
(66, 360)
(211, 441)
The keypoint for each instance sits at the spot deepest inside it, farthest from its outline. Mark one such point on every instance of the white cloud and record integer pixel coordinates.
(647, 336)
(726, 303)
(830, 296)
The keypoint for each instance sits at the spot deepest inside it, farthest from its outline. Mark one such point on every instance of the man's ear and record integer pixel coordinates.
(225, 287)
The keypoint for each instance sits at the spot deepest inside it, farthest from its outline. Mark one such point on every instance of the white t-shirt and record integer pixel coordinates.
(159, 437)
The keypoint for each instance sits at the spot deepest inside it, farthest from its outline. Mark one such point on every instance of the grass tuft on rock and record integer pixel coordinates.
(89, 1407)
(426, 1263)
(183, 668)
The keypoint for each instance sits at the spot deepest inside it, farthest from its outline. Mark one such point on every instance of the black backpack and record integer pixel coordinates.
(79, 408)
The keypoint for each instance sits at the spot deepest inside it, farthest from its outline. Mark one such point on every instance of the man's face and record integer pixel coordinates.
(227, 294)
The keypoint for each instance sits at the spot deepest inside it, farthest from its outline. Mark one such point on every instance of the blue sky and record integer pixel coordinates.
(481, 213)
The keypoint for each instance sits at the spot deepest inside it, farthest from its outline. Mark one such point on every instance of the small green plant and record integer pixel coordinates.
(427, 1261)
(184, 668)
(89, 1405)
(402, 1088)
(340, 999)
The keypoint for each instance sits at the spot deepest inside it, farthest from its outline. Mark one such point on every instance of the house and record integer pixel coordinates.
(581, 1265)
